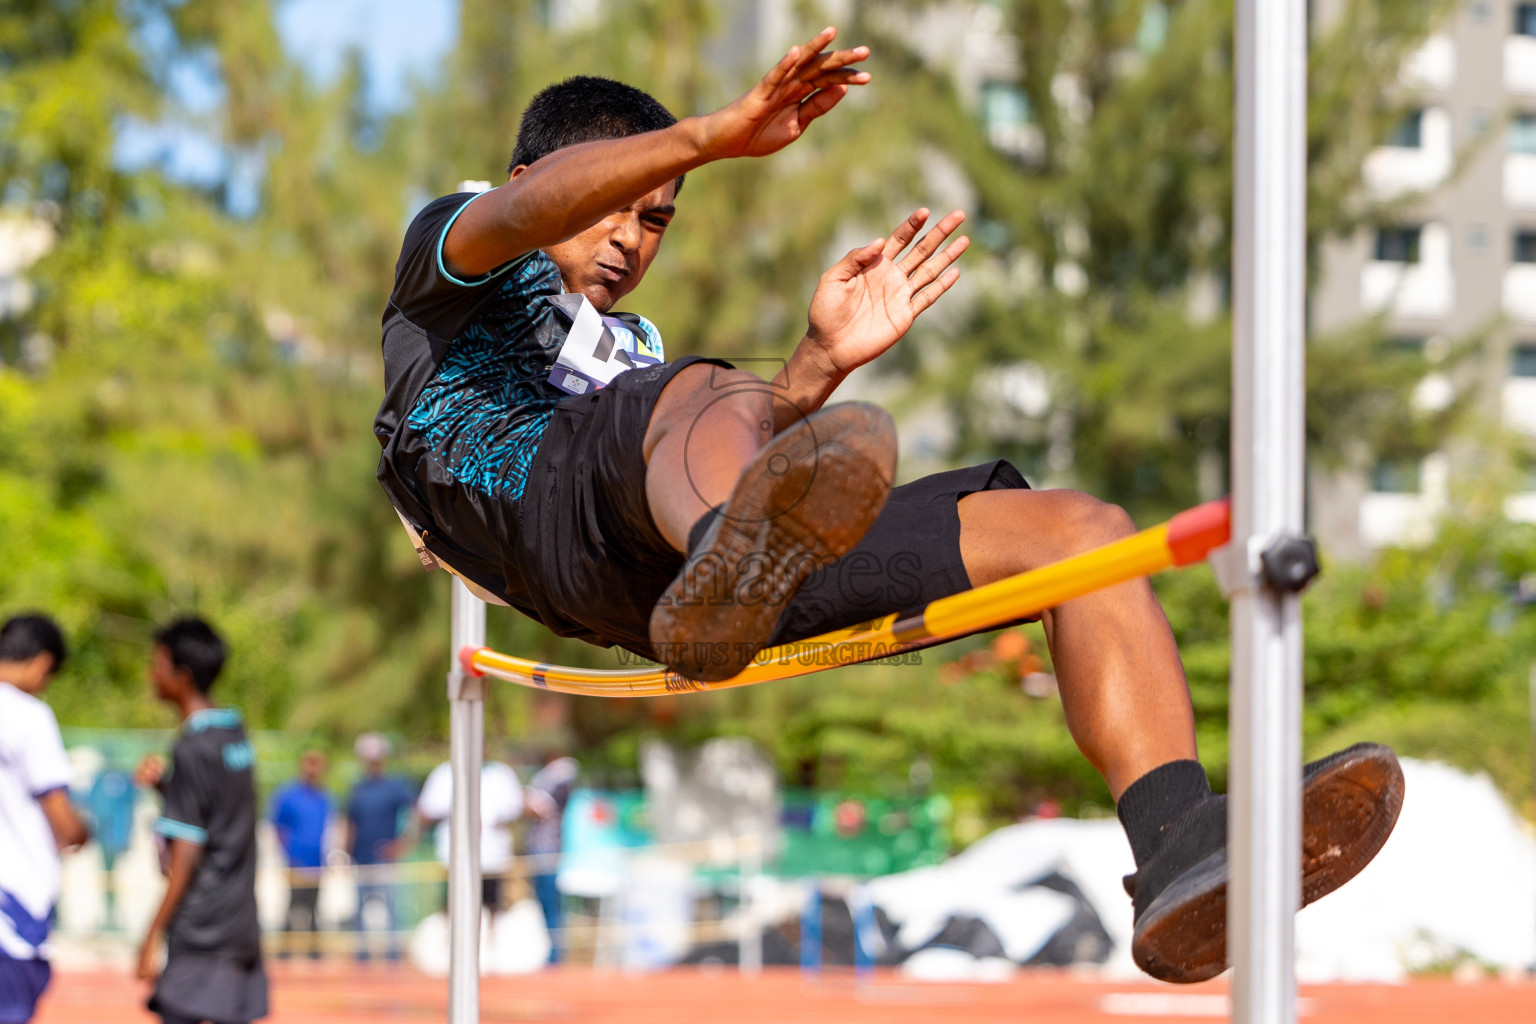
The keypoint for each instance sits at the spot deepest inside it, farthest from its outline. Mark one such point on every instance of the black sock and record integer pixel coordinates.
(1155, 801)
(700, 528)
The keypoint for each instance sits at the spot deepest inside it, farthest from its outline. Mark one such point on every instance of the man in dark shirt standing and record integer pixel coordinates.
(213, 970)
(374, 810)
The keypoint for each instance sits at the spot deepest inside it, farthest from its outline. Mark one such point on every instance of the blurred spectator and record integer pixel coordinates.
(501, 803)
(374, 810)
(300, 810)
(213, 969)
(37, 819)
(548, 794)
(110, 801)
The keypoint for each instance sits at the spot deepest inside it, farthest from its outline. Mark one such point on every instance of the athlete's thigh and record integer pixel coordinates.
(911, 556)
(697, 388)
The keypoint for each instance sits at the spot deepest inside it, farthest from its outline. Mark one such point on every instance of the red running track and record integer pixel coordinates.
(352, 996)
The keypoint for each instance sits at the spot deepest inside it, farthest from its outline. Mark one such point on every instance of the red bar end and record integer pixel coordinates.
(1197, 532)
(467, 661)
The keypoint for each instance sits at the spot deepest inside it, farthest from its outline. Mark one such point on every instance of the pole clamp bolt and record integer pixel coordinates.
(1290, 563)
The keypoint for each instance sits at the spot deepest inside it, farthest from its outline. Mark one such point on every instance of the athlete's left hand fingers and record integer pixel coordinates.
(812, 53)
(906, 232)
(820, 101)
(932, 268)
(831, 60)
(840, 76)
(929, 243)
(929, 295)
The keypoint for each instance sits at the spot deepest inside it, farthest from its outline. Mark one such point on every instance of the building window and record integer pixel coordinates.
(1396, 476)
(1398, 245)
(1525, 19)
(1522, 133)
(1525, 247)
(1404, 347)
(1408, 133)
(1522, 361)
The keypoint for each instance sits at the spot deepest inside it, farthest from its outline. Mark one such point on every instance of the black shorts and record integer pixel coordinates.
(592, 554)
(210, 987)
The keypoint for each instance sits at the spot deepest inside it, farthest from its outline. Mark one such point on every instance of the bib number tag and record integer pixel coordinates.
(598, 348)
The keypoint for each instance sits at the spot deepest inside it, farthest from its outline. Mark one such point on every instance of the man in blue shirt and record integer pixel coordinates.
(374, 810)
(300, 810)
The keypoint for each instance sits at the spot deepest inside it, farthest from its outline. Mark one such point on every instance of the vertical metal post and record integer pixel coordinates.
(810, 931)
(466, 755)
(1268, 451)
(750, 940)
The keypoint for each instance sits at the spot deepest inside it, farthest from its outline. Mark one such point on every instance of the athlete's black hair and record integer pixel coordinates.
(585, 109)
(194, 646)
(24, 637)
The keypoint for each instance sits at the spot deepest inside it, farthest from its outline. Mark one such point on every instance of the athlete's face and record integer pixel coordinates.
(606, 261)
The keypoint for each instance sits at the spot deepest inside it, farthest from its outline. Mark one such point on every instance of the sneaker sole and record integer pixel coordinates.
(806, 499)
(1350, 803)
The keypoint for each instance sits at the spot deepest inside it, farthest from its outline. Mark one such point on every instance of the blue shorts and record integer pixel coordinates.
(21, 985)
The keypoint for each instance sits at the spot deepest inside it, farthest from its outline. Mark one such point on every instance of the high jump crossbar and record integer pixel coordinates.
(1185, 539)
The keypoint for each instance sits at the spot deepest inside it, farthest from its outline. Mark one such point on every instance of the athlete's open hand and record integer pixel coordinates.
(870, 298)
(775, 112)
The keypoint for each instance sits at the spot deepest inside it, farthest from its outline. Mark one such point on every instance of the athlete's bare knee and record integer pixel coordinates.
(1087, 522)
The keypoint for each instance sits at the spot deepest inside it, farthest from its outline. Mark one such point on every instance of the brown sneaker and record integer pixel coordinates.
(1349, 802)
(803, 501)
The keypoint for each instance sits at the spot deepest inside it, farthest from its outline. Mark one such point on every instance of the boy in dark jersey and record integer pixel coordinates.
(540, 446)
(213, 970)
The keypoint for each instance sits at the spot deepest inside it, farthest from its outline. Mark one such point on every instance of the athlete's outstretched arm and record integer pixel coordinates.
(865, 304)
(571, 189)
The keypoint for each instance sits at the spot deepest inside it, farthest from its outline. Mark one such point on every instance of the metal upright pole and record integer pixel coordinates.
(1268, 421)
(466, 728)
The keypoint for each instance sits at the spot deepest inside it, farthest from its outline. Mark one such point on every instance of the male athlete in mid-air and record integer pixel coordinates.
(541, 446)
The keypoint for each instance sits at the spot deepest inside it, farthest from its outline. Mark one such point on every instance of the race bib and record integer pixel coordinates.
(598, 348)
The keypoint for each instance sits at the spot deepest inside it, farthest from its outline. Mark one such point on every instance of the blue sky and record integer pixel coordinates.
(401, 41)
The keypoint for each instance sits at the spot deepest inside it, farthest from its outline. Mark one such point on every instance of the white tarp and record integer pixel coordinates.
(1457, 879)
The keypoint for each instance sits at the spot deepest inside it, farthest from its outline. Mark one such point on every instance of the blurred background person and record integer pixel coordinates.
(213, 968)
(37, 819)
(300, 810)
(548, 793)
(375, 809)
(501, 803)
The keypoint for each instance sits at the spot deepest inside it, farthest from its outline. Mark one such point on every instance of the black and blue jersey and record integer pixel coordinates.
(467, 366)
(210, 799)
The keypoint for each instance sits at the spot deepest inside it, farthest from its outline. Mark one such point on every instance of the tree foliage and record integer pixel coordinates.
(185, 407)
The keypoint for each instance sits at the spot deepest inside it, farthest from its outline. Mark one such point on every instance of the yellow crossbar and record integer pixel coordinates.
(1183, 540)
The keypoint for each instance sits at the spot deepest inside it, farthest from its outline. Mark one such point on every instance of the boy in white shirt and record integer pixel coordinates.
(501, 803)
(37, 819)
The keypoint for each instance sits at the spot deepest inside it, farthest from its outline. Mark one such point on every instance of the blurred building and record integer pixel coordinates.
(1457, 263)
